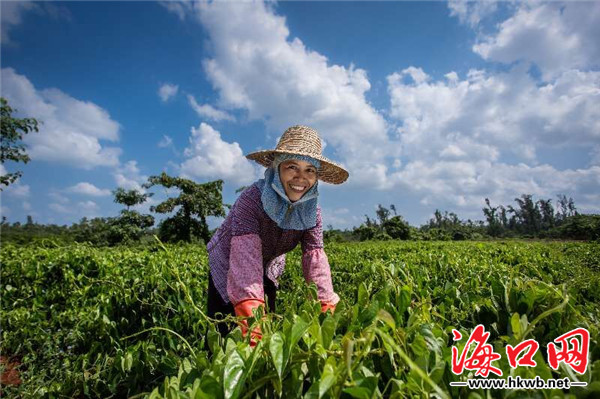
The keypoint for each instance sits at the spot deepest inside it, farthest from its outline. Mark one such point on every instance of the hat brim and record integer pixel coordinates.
(329, 172)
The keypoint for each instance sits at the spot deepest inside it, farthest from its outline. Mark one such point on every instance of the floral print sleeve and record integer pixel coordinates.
(315, 264)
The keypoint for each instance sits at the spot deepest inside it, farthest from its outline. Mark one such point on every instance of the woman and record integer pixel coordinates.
(247, 253)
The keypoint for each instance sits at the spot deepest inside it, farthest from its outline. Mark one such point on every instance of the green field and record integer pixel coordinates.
(121, 322)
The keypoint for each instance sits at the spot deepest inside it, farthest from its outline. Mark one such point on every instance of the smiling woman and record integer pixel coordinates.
(297, 177)
(269, 219)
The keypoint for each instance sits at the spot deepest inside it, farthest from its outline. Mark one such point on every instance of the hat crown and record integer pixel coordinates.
(300, 138)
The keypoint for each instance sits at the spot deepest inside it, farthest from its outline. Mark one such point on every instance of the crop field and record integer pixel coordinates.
(79, 321)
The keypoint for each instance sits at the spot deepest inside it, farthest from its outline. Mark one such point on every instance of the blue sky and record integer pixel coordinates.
(429, 105)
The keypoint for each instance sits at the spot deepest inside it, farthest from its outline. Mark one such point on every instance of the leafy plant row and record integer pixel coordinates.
(126, 322)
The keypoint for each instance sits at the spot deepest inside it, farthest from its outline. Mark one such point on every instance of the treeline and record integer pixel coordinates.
(525, 219)
(187, 223)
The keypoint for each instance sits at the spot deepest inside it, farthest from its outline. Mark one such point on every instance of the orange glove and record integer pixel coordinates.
(245, 308)
(325, 306)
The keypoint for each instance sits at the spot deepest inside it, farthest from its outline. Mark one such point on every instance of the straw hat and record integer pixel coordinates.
(302, 140)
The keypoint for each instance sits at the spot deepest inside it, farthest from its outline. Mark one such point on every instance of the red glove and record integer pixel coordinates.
(245, 308)
(325, 306)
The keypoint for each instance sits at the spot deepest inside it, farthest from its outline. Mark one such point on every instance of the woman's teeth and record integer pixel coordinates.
(297, 188)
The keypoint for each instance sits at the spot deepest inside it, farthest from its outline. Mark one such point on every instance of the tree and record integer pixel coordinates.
(494, 220)
(528, 215)
(195, 200)
(130, 197)
(13, 130)
(382, 214)
(131, 225)
(397, 228)
(566, 208)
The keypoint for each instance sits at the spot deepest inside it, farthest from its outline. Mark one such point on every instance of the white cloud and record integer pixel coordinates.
(167, 91)
(11, 15)
(86, 188)
(208, 111)
(60, 208)
(471, 12)
(486, 114)
(58, 198)
(27, 206)
(165, 142)
(455, 135)
(258, 68)
(128, 176)
(208, 156)
(466, 184)
(556, 36)
(71, 129)
(17, 189)
(88, 208)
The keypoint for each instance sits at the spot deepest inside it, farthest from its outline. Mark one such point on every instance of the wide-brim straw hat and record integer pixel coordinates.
(303, 140)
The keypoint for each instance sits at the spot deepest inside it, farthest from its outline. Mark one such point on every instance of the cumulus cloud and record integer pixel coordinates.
(465, 184)
(71, 130)
(556, 36)
(167, 91)
(209, 156)
(208, 111)
(258, 68)
(86, 188)
(486, 114)
(456, 133)
(128, 176)
(471, 12)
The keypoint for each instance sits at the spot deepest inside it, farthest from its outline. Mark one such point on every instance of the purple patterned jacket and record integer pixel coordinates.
(249, 245)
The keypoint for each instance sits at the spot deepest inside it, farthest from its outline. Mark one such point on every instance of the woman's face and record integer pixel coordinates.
(297, 177)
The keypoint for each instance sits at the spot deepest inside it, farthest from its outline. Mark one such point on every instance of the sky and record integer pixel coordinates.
(428, 105)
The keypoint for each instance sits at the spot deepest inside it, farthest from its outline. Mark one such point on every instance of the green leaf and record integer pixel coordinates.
(211, 387)
(363, 296)
(297, 331)
(386, 318)
(328, 330)
(348, 345)
(233, 375)
(358, 392)
(327, 376)
(419, 346)
(276, 348)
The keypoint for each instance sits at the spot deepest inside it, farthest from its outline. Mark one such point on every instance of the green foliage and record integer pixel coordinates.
(577, 227)
(130, 198)
(121, 322)
(397, 228)
(131, 225)
(12, 132)
(194, 200)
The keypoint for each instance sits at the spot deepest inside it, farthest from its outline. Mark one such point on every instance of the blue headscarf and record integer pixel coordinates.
(299, 215)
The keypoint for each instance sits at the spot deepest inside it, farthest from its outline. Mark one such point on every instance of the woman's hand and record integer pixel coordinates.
(325, 306)
(246, 308)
